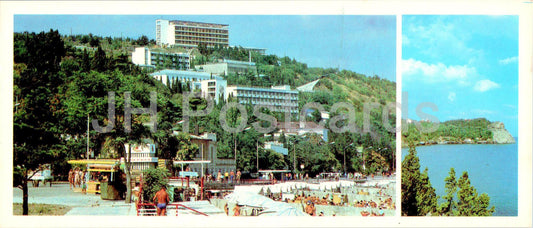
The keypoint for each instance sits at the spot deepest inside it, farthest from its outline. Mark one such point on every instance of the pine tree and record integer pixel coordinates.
(418, 196)
(426, 196)
(449, 206)
(410, 178)
(469, 203)
(99, 62)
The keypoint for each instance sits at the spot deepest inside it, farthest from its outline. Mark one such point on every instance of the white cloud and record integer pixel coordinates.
(509, 106)
(436, 73)
(485, 85)
(405, 40)
(451, 96)
(508, 60)
(441, 38)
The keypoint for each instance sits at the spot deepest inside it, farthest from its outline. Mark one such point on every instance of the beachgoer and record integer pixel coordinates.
(80, 178)
(226, 174)
(237, 210)
(231, 176)
(238, 176)
(83, 184)
(219, 176)
(161, 199)
(71, 178)
(136, 194)
(226, 209)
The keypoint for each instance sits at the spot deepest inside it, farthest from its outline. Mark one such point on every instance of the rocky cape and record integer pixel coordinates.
(500, 135)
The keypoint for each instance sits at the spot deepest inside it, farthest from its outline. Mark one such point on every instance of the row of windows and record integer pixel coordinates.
(142, 166)
(141, 155)
(200, 40)
(200, 30)
(262, 94)
(188, 42)
(191, 34)
(269, 101)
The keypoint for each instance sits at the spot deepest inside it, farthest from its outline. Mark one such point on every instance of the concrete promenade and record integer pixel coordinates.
(82, 204)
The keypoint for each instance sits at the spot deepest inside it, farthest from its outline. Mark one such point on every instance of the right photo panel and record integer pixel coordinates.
(459, 115)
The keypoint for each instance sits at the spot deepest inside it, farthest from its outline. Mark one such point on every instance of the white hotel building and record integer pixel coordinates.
(280, 98)
(144, 57)
(190, 34)
(209, 85)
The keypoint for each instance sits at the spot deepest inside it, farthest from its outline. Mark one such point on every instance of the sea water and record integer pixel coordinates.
(492, 169)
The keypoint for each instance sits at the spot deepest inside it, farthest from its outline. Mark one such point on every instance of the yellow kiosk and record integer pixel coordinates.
(94, 166)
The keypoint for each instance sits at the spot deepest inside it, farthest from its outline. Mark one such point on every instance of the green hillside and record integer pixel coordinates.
(461, 131)
(59, 80)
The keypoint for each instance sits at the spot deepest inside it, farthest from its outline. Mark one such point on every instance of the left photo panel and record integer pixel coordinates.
(204, 115)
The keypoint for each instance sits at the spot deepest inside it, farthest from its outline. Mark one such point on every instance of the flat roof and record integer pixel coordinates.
(194, 23)
(184, 73)
(192, 162)
(263, 89)
(93, 161)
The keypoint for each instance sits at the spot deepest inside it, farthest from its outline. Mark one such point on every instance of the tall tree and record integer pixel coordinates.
(426, 196)
(36, 135)
(450, 184)
(99, 62)
(418, 196)
(469, 202)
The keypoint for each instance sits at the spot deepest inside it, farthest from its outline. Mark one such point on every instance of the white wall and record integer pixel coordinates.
(138, 56)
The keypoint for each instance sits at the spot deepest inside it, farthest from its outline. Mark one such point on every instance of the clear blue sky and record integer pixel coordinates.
(364, 44)
(466, 65)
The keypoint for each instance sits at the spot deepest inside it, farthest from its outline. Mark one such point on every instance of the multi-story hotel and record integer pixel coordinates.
(190, 34)
(209, 85)
(280, 98)
(143, 56)
(228, 67)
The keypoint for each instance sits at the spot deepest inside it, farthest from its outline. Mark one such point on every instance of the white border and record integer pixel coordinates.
(524, 9)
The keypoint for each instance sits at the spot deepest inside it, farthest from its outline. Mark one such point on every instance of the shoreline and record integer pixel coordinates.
(421, 143)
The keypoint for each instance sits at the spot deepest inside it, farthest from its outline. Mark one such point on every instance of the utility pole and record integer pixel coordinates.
(294, 156)
(257, 154)
(87, 137)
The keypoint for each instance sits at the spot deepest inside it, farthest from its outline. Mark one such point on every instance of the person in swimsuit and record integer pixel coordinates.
(161, 199)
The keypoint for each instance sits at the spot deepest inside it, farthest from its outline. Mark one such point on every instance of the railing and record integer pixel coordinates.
(149, 209)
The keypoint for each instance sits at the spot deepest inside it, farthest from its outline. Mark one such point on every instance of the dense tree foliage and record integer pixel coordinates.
(59, 82)
(419, 197)
(453, 131)
(36, 136)
(154, 179)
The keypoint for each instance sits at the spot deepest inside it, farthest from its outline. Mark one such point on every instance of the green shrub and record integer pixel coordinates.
(153, 180)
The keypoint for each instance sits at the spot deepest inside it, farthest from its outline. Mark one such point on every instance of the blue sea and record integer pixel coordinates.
(492, 168)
